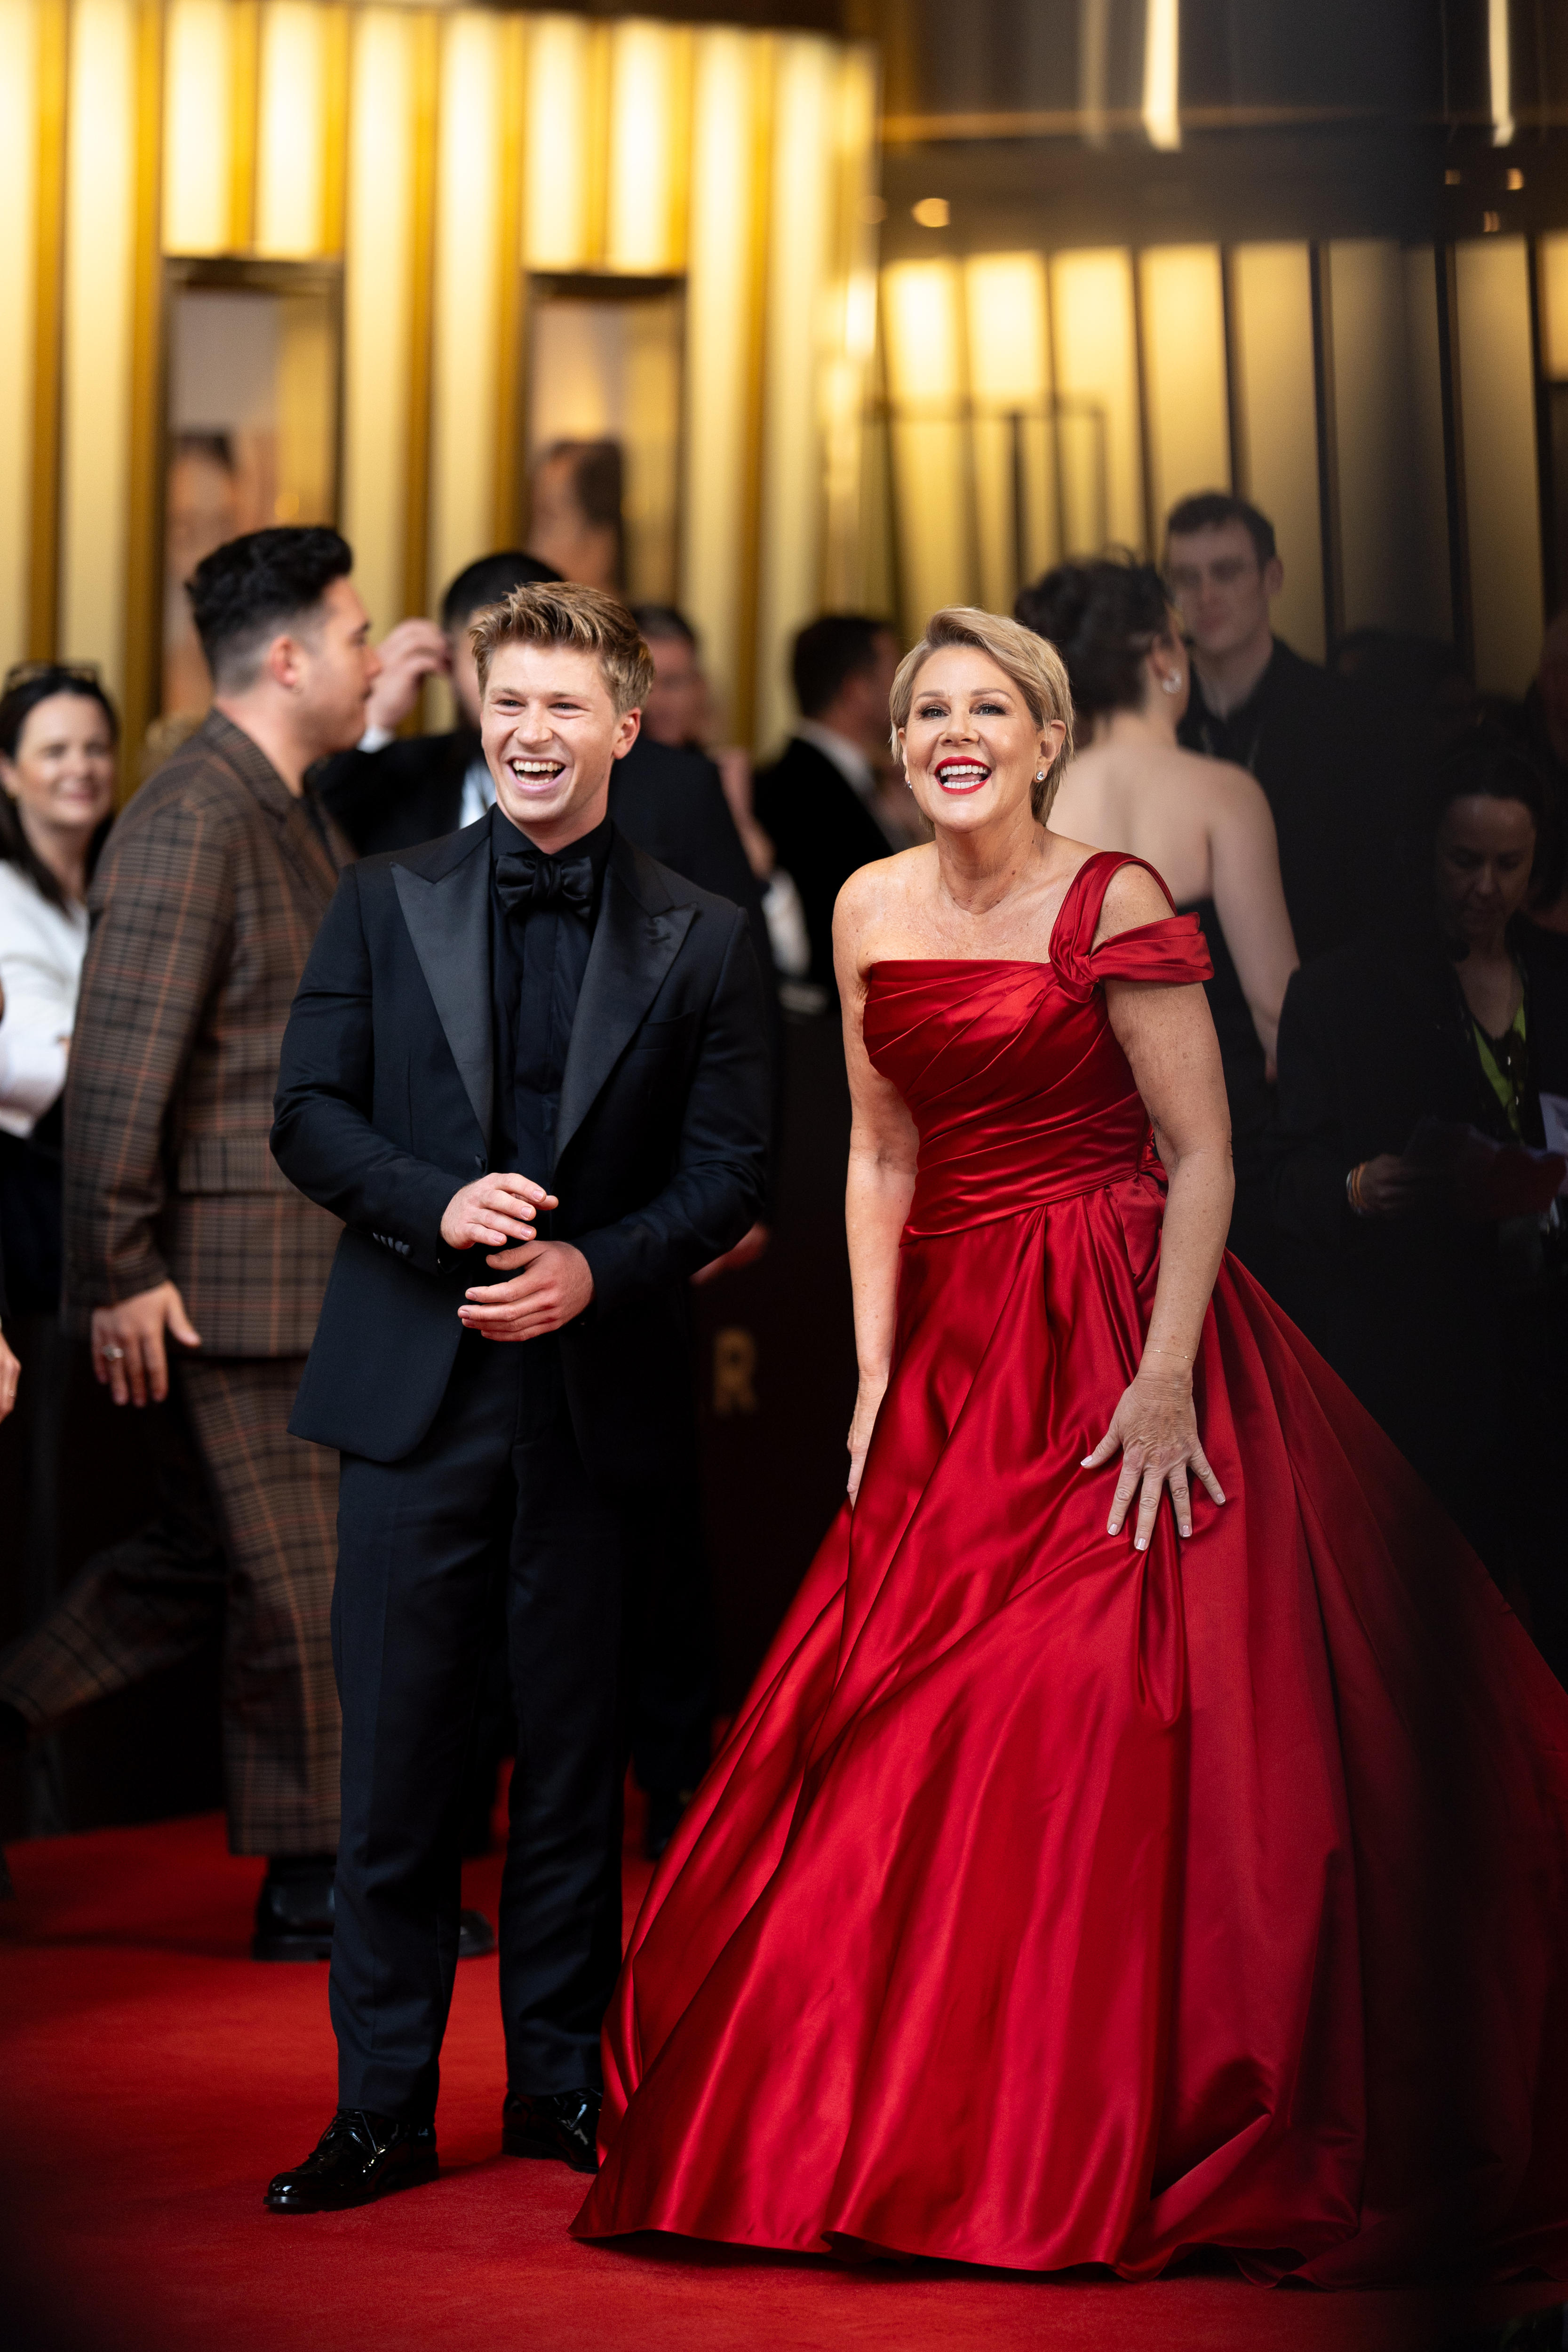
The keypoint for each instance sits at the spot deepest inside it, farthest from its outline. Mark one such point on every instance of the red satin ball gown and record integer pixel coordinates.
(1052, 1904)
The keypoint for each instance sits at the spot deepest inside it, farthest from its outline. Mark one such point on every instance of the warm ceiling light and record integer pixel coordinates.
(933, 212)
(1515, 179)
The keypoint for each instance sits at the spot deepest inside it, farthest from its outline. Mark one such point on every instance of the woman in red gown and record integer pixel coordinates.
(1085, 1880)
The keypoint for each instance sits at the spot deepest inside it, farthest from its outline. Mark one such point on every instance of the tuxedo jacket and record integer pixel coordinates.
(384, 1110)
(823, 832)
(205, 904)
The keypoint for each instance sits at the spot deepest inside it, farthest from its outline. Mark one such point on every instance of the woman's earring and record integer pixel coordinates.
(1039, 775)
(1173, 683)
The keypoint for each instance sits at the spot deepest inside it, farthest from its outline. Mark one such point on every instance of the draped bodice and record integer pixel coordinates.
(1011, 1070)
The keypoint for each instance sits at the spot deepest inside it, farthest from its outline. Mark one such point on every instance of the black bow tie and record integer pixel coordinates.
(526, 879)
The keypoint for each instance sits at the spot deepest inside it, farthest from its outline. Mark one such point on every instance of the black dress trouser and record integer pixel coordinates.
(497, 1489)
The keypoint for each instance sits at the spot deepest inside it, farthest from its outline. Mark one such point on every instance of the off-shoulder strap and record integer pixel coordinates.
(1172, 949)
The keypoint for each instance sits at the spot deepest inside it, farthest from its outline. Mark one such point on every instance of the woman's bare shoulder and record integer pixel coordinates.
(1225, 788)
(884, 888)
(1133, 898)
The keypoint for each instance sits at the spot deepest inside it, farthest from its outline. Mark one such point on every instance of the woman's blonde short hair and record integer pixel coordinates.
(1032, 663)
(560, 613)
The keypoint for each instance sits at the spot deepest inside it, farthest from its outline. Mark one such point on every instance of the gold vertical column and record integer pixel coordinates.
(245, 78)
(144, 548)
(799, 273)
(48, 314)
(1271, 308)
(470, 230)
(426, 90)
(721, 295)
(101, 221)
(377, 287)
(19, 49)
(851, 329)
(506, 512)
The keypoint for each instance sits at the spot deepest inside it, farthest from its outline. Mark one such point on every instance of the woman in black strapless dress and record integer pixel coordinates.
(1204, 824)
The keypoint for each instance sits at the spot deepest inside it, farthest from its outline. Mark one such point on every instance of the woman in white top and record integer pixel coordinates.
(1204, 824)
(58, 734)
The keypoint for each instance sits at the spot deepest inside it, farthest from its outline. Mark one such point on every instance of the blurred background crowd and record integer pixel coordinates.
(1226, 346)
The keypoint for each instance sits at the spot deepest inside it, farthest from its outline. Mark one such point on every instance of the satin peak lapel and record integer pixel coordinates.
(449, 923)
(633, 949)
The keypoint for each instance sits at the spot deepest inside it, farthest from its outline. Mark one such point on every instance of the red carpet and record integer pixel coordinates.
(152, 2076)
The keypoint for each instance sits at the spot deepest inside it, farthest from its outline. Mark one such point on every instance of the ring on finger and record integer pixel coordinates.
(112, 1355)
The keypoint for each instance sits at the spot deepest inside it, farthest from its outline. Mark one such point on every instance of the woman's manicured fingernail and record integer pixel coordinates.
(1140, 1543)
(1186, 1527)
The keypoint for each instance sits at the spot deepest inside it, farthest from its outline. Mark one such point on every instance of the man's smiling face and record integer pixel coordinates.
(550, 737)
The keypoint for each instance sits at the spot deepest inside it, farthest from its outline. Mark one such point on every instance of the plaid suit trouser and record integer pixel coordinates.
(248, 1541)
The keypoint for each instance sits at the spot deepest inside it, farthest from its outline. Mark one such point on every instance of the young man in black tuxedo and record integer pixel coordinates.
(527, 1066)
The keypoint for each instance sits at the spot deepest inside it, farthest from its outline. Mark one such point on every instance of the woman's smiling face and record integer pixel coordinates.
(972, 748)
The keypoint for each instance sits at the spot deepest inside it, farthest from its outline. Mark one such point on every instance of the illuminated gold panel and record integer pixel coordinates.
(1497, 405)
(800, 259)
(558, 157)
(101, 191)
(1388, 434)
(847, 528)
(1095, 347)
(1184, 373)
(18, 210)
(649, 67)
(1271, 305)
(469, 234)
(377, 304)
(197, 118)
(291, 140)
(1366, 306)
(923, 324)
(1015, 508)
(721, 295)
(1553, 253)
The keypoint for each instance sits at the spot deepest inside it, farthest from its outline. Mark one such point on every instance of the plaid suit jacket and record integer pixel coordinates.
(204, 907)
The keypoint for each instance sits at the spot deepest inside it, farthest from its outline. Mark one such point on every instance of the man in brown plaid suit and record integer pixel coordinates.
(178, 1221)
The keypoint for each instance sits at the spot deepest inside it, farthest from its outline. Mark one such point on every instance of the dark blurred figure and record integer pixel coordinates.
(59, 735)
(680, 714)
(817, 803)
(1420, 1069)
(1326, 757)
(1541, 723)
(576, 513)
(1204, 825)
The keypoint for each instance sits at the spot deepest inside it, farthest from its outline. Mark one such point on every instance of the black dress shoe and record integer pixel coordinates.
(476, 1936)
(358, 2157)
(294, 1915)
(564, 2124)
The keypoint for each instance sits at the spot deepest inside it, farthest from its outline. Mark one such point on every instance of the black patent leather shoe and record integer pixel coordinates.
(358, 2158)
(476, 1936)
(561, 2124)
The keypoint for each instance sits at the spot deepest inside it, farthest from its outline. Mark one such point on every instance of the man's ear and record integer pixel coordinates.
(626, 733)
(1273, 578)
(283, 662)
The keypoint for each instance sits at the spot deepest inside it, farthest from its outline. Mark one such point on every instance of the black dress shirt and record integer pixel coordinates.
(538, 957)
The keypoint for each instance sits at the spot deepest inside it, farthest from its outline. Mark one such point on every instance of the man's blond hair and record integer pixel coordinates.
(1032, 663)
(560, 613)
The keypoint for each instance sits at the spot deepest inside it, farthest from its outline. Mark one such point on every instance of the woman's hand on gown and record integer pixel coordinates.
(867, 1404)
(1155, 1429)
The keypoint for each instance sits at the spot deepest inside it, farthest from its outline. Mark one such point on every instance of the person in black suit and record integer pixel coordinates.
(1331, 769)
(817, 803)
(531, 1001)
